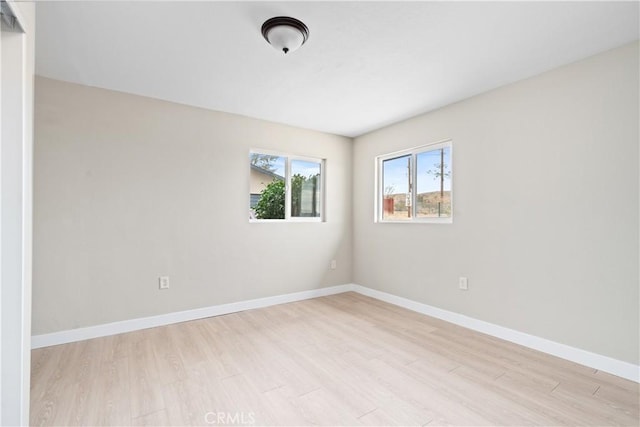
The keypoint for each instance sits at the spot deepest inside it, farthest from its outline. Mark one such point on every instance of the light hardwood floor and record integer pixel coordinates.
(341, 360)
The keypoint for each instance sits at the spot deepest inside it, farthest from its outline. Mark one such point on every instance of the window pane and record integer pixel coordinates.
(433, 191)
(305, 189)
(396, 198)
(267, 186)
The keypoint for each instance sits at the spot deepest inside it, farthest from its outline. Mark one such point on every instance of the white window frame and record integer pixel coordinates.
(379, 176)
(287, 179)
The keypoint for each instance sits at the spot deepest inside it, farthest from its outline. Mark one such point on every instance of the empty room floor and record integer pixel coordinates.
(340, 360)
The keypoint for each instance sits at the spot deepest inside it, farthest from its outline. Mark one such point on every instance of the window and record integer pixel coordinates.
(415, 185)
(285, 187)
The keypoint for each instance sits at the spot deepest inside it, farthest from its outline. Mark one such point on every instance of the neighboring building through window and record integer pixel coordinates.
(284, 187)
(415, 185)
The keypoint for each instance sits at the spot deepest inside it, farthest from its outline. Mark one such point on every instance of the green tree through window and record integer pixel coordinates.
(271, 203)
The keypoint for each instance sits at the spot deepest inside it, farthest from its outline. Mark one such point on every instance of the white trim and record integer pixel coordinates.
(425, 220)
(418, 148)
(603, 363)
(16, 61)
(73, 335)
(583, 357)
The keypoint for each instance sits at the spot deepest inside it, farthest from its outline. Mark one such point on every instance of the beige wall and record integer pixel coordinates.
(130, 188)
(545, 208)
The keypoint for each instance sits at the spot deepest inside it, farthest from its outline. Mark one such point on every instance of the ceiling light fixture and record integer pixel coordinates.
(284, 33)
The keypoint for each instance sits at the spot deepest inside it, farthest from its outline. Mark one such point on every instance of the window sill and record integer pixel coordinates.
(417, 221)
(284, 221)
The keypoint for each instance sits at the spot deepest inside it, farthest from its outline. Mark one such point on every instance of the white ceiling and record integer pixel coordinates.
(365, 65)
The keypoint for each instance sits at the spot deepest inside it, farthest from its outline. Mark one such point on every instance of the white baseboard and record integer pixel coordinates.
(73, 335)
(583, 357)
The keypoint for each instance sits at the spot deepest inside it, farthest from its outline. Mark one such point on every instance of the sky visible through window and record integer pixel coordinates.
(278, 166)
(396, 175)
(301, 167)
(396, 172)
(304, 168)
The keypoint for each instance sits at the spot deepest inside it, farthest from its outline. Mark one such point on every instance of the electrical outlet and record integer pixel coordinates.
(163, 282)
(463, 283)
(334, 264)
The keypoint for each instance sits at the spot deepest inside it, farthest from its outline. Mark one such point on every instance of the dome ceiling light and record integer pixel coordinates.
(285, 34)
